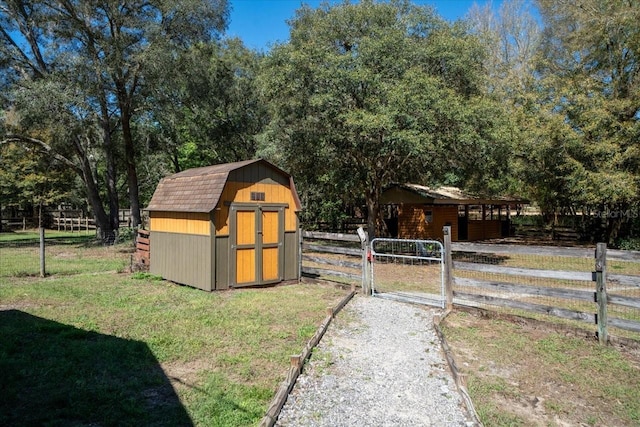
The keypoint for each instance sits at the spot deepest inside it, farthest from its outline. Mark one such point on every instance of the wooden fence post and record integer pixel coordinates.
(448, 267)
(366, 272)
(43, 269)
(367, 264)
(601, 291)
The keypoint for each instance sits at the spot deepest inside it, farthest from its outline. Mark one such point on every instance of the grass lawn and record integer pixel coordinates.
(90, 345)
(107, 348)
(33, 235)
(65, 253)
(525, 373)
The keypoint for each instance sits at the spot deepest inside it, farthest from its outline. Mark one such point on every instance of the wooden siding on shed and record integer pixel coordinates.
(180, 222)
(258, 172)
(240, 192)
(182, 258)
(412, 224)
(487, 229)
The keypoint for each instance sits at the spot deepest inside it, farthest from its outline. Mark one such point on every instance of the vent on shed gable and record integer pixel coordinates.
(257, 196)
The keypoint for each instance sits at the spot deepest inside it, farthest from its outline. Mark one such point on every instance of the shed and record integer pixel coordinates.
(227, 225)
(419, 212)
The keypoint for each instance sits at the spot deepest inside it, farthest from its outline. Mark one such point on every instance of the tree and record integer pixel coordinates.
(590, 92)
(370, 93)
(29, 180)
(208, 110)
(61, 127)
(37, 71)
(103, 51)
(511, 38)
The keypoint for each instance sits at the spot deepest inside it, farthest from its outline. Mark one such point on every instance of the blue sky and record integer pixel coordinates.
(259, 23)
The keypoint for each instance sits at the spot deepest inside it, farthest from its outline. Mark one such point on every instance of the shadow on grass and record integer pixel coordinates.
(58, 375)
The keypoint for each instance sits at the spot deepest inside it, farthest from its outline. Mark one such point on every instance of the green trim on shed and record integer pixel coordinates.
(222, 262)
(291, 248)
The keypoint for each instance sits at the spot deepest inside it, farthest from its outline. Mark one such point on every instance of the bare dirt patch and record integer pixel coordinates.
(529, 373)
(186, 374)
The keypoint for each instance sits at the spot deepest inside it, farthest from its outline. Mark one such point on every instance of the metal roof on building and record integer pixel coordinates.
(442, 196)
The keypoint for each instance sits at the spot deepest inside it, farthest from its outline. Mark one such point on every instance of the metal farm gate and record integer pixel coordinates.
(408, 270)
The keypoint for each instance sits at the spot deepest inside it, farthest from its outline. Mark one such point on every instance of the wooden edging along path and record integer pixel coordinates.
(459, 378)
(297, 362)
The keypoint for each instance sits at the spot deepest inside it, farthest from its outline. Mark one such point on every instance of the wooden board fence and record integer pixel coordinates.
(515, 271)
(331, 256)
(516, 289)
(526, 306)
(507, 294)
(143, 250)
(74, 224)
(559, 251)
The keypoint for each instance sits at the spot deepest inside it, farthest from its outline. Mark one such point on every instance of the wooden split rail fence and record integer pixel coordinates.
(74, 224)
(512, 287)
(567, 283)
(79, 223)
(335, 257)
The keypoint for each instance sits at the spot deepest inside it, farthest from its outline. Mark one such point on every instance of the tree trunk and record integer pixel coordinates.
(110, 172)
(372, 212)
(132, 175)
(615, 219)
(130, 154)
(93, 194)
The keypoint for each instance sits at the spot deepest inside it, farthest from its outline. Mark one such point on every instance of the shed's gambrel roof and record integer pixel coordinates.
(199, 189)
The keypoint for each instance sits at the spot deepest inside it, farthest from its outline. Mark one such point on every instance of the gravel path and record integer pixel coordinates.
(379, 364)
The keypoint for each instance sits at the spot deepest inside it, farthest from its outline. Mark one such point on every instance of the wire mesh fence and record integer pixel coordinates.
(65, 253)
(623, 287)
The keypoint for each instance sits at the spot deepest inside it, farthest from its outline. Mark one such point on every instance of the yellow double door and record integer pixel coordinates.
(257, 244)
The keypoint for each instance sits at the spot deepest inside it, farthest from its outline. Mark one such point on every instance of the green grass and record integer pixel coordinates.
(578, 381)
(65, 253)
(118, 349)
(493, 415)
(56, 374)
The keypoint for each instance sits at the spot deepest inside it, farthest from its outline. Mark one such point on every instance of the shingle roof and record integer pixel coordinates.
(195, 190)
